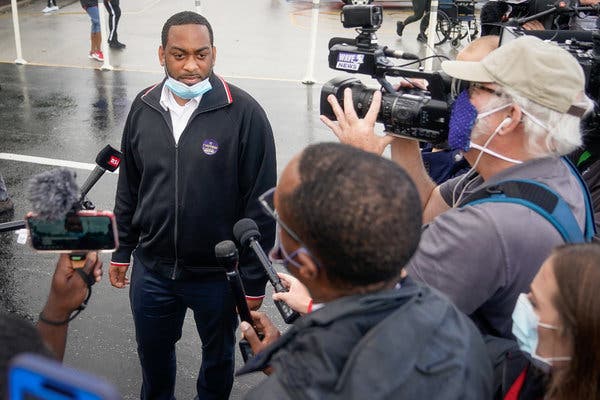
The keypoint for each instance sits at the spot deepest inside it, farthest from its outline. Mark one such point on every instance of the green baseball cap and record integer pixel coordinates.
(541, 71)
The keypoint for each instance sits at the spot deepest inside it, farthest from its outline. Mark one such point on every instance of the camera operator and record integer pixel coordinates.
(443, 164)
(348, 221)
(520, 114)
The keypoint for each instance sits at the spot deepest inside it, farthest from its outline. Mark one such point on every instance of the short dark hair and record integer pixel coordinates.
(185, 18)
(17, 335)
(359, 214)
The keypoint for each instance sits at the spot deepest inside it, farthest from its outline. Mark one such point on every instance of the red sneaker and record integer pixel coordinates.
(97, 55)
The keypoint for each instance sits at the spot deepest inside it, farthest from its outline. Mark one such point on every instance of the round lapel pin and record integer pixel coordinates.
(210, 147)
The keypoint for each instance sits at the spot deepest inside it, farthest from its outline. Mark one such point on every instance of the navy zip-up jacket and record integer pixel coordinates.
(408, 343)
(174, 202)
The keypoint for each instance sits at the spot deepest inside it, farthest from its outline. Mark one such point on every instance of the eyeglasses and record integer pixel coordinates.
(278, 254)
(268, 205)
(476, 85)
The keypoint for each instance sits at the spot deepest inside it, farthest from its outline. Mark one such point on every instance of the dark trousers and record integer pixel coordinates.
(419, 8)
(159, 306)
(114, 15)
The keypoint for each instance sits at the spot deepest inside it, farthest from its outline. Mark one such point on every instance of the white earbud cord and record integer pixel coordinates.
(456, 202)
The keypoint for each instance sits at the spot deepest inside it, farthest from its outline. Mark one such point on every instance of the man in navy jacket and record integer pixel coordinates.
(197, 154)
(349, 222)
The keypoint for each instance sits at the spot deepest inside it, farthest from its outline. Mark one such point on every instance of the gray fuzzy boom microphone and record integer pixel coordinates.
(53, 194)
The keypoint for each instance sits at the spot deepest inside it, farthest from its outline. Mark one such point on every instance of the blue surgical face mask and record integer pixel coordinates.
(462, 121)
(184, 91)
(525, 329)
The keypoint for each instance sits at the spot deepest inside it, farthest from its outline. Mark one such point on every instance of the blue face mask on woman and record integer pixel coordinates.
(184, 91)
(525, 329)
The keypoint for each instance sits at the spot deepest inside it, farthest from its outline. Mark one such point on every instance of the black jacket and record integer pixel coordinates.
(175, 202)
(409, 343)
(515, 373)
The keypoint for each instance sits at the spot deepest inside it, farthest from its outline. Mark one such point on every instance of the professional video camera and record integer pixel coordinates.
(414, 113)
(583, 45)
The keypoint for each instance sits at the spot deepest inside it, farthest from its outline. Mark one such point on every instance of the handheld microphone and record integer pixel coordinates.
(227, 256)
(247, 234)
(108, 159)
(386, 50)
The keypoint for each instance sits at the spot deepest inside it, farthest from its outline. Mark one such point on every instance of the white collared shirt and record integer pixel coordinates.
(180, 115)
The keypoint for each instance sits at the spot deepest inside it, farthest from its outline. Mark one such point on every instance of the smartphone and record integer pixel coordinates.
(78, 232)
(32, 377)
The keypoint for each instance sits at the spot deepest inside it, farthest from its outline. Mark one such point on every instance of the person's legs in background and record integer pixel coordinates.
(6, 204)
(50, 6)
(419, 8)
(114, 15)
(421, 37)
(96, 35)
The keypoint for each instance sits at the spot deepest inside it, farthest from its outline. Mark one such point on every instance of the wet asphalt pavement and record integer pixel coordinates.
(60, 106)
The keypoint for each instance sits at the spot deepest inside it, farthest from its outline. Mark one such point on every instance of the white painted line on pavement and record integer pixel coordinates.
(155, 72)
(47, 161)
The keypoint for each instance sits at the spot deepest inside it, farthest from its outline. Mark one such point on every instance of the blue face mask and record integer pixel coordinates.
(525, 323)
(184, 91)
(462, 121)
(525, 329)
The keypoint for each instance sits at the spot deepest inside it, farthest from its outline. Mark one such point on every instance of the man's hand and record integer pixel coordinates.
(117, 275)
(297, 297)
(264, 326)
(68, 290)
(255, 303)
(355, 131)
(412, 83)
(533, 25)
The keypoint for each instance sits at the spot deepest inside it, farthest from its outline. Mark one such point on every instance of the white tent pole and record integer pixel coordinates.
(310, 65)
(15, 18)
(104, 33)
(431, 38)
